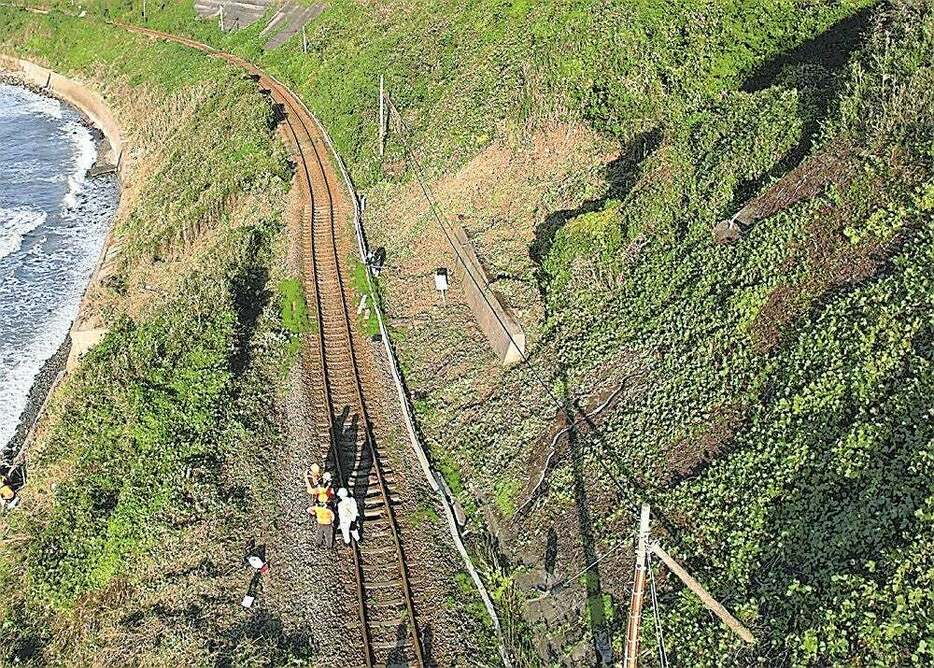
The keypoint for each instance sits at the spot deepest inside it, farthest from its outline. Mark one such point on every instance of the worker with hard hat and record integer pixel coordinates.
(312, 479)
(324, 518)
(326, 490)
(8, 497)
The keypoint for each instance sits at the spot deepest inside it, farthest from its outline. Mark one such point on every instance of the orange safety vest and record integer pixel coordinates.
(322, 494)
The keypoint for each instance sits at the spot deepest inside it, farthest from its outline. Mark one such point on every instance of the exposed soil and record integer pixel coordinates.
(501, 198)
(833, 262)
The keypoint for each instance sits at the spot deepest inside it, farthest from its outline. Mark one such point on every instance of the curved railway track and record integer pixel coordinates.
(388, 623)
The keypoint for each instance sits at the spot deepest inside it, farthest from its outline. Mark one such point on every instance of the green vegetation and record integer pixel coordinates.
(814, 329)
(776, 401)
(458, 70)
(448, 468)
(146, 481)
(424, 514)
(505, 496)
(293, 311)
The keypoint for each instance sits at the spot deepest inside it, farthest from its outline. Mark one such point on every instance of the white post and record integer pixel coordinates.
(222, 18)
(304, 40)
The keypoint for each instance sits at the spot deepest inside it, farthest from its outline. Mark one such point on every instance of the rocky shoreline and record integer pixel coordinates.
(41, 389)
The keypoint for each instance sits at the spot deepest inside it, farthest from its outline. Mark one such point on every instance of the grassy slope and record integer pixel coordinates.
(143, 484)
(805, 381)
(801, 357)
(458, 70)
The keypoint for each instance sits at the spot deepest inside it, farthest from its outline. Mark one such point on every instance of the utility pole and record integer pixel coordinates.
(382, 116)
(221, 14)
(144, 10)
(638, 593)
(304, 40)
(631, 655)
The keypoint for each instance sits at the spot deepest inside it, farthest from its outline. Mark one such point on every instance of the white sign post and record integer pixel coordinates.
(441, 283)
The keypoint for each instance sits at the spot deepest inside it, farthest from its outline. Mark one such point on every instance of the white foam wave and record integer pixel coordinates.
(19, 101)
(85, 152)
(19, 368)
(46, 256)
(16, 224)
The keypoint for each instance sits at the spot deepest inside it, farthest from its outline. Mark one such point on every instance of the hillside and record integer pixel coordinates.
(769, 397)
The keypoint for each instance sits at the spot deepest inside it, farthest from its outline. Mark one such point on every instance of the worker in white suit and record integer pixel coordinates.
(348, 516)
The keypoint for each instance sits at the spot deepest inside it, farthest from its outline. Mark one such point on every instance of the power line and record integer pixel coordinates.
(659, 637)
(561, 583)
(433, 207)
(435, 211)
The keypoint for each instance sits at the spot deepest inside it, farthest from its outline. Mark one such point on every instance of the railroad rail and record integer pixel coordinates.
(386, 606)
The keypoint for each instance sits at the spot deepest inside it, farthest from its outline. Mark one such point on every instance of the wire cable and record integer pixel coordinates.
(567, 405)
(659, 637)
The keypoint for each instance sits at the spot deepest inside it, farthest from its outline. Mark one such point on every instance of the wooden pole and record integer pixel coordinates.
(382, 116)
(631, 656)
(705, 597)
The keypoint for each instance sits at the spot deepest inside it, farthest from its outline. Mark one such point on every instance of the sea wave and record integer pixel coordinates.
(17, 101)
(15, 224)
(85, 155)
(50, 237)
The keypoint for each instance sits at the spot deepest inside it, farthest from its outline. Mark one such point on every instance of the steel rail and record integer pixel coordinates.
(298, 110)
(358, 383)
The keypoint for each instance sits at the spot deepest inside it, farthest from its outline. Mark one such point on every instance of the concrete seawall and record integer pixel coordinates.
(74, 93)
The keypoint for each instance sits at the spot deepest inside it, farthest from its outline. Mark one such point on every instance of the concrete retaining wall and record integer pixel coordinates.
(501, 329)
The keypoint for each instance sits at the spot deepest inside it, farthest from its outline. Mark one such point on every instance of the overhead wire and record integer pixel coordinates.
(659, 636)
(567, 405)
(586, 568)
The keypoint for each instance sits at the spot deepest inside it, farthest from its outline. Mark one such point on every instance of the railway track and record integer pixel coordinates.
(389, 628)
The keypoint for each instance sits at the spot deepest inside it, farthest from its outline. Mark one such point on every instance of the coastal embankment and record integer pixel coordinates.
(156, 448)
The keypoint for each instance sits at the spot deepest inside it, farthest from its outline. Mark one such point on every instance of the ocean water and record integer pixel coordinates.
(53, 222)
